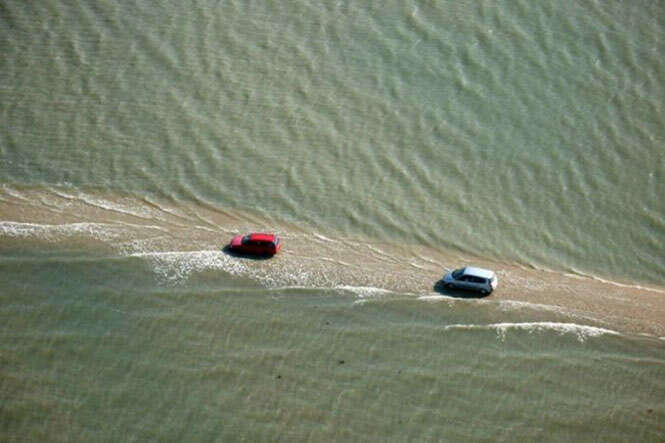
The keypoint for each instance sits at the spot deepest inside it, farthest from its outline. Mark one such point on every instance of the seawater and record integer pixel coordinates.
(386, 143)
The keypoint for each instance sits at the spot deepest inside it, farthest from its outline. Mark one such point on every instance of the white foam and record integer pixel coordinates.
(579, 275)
(133, 210)
(582, 332)
(337, 262)
(434, 297)
(134, 225)
(430, 260)
(451, 301)
(169, 210)
(323, 237)
(142, 245)
(575, 276)
(100, 231)
(414, 265)
(514, 305)
(14, 193)
(380, 254)
(175, 267)
(364, 291)
(621, 285)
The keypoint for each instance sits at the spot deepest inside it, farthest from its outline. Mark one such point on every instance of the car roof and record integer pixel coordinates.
(478, 272)
(260, 236)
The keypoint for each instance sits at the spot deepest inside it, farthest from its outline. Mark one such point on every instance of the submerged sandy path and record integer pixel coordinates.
(187, 232)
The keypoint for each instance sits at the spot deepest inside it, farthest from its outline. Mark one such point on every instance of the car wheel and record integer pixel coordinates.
(484, 291)
(449, 286)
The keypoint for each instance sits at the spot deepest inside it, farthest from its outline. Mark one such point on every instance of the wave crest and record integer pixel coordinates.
(581, 332)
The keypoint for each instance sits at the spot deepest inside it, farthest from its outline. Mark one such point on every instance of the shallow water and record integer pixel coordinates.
(385, 144)
(98, 355)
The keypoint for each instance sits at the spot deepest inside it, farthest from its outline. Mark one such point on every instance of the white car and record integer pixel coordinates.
(473, 279)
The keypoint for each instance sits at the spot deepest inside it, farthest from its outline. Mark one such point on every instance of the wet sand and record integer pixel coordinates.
(181, 238)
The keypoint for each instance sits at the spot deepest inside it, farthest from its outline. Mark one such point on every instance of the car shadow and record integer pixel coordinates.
(456, 293)
(227, 250)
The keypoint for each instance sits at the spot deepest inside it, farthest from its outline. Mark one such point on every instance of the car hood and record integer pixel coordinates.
(236, 241)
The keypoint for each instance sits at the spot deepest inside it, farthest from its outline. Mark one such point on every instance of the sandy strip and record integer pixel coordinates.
(187, 237)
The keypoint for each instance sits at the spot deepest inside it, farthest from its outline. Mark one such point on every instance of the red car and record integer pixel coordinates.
(255, 243)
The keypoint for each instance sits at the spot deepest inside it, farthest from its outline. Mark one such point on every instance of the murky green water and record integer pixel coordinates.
(385, 143)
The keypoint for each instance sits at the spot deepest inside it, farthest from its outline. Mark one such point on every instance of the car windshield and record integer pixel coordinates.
(458, 273)
(245, 239)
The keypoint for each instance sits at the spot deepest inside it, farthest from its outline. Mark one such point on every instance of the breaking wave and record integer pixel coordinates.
(581, 332)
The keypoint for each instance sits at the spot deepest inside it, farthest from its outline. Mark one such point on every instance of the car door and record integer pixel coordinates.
(482, 284)
(252, 247)
(463, 282)
(262, 247)
(477, 283)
